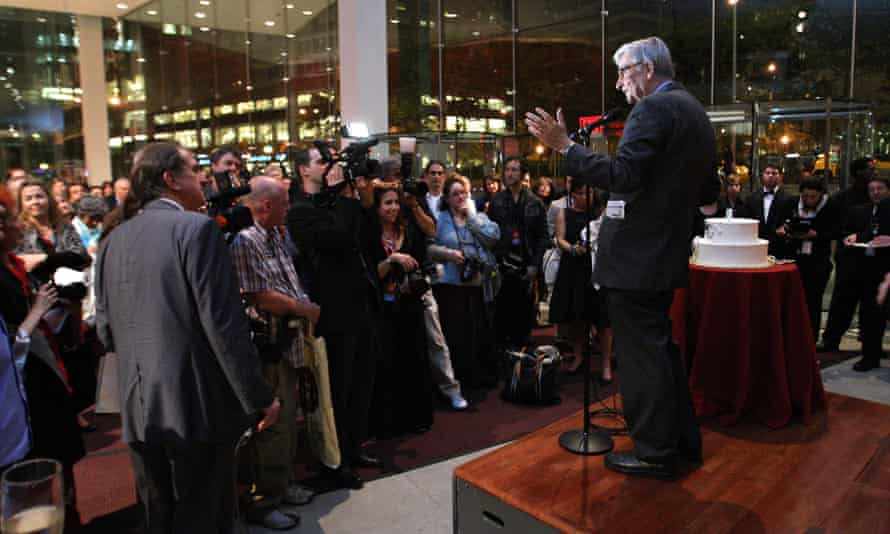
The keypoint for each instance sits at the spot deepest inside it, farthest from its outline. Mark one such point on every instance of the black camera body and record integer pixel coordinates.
(471, 267)
(221, 205)
(512, 265)
(798, 225)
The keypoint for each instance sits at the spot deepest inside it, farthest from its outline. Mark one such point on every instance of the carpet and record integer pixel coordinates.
(105, 486)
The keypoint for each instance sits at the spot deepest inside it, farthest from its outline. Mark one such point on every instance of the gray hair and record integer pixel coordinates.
(90, 206)
(651, 50)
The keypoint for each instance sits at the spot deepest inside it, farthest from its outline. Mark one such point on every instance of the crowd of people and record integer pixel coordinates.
(413, 296)
(808, 226)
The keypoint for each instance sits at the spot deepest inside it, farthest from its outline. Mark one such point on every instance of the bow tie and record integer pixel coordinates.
(769, 193)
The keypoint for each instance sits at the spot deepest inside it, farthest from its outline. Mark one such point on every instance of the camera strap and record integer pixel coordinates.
(460, 242)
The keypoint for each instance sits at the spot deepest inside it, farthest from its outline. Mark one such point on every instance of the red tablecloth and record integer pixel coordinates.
(748, 344)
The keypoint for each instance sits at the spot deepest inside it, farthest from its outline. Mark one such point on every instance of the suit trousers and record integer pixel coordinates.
(272, 451)
(845, 297)
(814, 275)
(872, 319)
(654, 387)
(352, 363)
(440, 357)
(185, 488)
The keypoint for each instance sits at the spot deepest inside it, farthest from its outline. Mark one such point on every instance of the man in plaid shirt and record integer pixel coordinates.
(270, 284)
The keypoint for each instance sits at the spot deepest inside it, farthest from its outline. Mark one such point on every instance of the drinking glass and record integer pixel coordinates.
(31, 498)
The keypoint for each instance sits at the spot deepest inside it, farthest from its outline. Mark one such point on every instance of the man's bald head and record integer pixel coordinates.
(267, 201)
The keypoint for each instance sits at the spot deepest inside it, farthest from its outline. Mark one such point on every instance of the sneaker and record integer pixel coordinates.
(457, 401)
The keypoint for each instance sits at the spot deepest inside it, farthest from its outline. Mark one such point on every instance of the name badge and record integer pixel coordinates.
(615, 209)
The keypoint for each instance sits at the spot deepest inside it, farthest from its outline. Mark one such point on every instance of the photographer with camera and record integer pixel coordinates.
(469, 281)
(522, 219)
(270, 285)
(226, 169)
(330, 231)
(810, 224)
(419, 218)
(403, 389)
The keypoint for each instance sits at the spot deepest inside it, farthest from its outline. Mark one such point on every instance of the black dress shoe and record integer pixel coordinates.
(629, 464)
(344, 477)
(866, 364)
(366, 460)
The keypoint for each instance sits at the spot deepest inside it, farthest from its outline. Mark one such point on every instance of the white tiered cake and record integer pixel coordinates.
(732, 244)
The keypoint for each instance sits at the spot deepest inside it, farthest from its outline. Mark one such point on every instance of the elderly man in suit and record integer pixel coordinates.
(664, 169)
(167, 302)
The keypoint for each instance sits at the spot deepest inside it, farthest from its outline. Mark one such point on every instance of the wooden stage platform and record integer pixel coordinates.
(832, 475)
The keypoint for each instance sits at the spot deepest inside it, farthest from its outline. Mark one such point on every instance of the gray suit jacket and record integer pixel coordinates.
(168, 303)
(665, 167)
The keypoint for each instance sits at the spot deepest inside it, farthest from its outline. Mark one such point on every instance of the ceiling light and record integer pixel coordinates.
(476, 34)
(10, 70)
(249, 88)
(283, 54)
(204, 28)
(141, 60)
(285, 79)
(41, 19)
(394, 21)
(307, 12)
(450, 15)
(269, 23)
(801, 14)
(200, 15)
(290, 36)
(151, 12)
(290, 6)
(204, 2)
(121, 5)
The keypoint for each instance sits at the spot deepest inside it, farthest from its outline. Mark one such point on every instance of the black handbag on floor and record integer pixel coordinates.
(533, 378)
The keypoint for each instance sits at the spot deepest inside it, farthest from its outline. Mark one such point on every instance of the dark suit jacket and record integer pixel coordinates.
(168, 303)
(529, 215)
(767, 228)
(334, 240)
(664, 169)
(859, 221)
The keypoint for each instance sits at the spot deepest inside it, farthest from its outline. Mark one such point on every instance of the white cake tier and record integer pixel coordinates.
(709, 253)
(735, 230)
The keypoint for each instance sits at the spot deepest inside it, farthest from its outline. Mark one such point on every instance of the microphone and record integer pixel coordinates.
(585, 131)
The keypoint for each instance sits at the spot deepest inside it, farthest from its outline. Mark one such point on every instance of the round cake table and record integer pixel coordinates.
(748, 344)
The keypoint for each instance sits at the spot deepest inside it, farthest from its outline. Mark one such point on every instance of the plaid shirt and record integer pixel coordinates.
(263, 264)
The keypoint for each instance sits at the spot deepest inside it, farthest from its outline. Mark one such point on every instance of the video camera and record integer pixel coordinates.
(796, 226)
(221, 205)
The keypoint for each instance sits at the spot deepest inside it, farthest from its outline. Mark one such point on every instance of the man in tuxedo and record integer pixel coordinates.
(664, 169)
(870, 224)
(167, 302)
(767, 206)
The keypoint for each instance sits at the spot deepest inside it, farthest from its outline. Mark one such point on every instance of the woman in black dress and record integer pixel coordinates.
(403, 392)
(575, 301)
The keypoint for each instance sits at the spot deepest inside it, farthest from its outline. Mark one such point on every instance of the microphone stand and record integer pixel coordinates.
(588, 440)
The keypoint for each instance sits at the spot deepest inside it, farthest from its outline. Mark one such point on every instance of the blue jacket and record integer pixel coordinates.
(476, 239)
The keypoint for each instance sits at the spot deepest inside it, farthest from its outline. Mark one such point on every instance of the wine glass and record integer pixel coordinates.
(31, 498)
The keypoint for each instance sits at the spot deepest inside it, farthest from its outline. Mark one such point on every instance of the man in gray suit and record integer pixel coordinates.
(664, 169)
(167, 303)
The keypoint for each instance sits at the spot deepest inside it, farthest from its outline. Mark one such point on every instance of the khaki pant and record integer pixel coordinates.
(274, 449)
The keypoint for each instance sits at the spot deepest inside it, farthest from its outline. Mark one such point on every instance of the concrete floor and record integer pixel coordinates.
(418, 501)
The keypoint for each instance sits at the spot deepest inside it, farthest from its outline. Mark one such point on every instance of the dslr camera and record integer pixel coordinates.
(471, 267)
(221, 204)
(798, 226)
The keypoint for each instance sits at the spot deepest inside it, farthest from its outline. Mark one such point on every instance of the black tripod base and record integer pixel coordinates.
(594, 442)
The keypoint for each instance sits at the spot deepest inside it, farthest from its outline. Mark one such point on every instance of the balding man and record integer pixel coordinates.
(271, 286)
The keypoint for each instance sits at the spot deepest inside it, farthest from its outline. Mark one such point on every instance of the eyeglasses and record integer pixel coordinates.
(624, 69)
(437, 173)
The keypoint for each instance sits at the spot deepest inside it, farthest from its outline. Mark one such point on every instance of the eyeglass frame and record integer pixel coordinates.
(623, 70)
